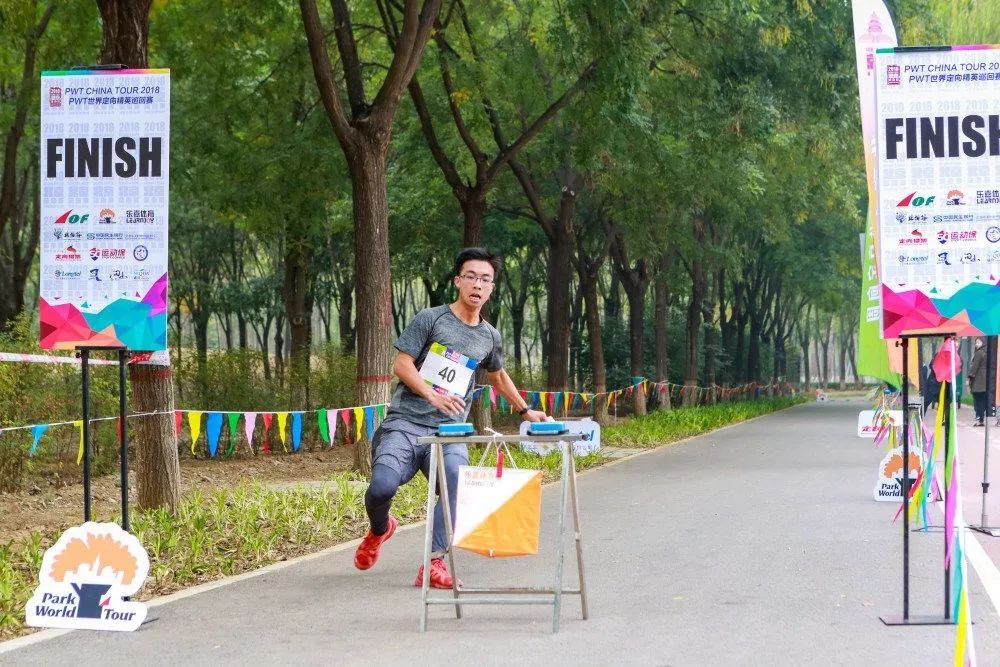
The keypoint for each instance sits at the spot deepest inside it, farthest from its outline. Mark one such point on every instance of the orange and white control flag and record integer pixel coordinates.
(498, 516)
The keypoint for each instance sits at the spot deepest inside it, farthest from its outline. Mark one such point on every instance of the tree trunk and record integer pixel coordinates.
(345, 318)
(364, 133)
(125, 41)
(279, 349)
(803, 330)
(241, 328)
(636, 328)
(662, 299)
(125, 32)
(693, 329)
(588, 284)
(157, 469)
(473, 208)
(372, 280)
(295, 291)
(560, 267)
(199, 319)
(753, 350)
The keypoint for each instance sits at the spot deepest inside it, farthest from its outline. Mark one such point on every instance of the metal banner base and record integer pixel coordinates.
(510, 595)
(915, 620)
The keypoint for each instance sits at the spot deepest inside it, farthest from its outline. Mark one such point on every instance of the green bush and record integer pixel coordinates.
(661, 427)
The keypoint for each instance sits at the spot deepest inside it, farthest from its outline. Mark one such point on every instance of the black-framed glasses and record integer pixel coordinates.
(473, 278)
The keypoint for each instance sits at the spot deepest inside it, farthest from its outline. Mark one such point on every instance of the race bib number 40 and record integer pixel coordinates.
(446, 370)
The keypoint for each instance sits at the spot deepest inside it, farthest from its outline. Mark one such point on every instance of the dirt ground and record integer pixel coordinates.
(51, 501)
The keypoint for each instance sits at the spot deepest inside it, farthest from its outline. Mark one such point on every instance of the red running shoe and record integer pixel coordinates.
(367, 552)
(440, 576)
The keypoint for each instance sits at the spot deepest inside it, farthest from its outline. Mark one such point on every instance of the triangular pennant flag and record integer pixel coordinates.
(213, 429)
(370, 422)
(36, 434)
(345, 416)
(282, 420)
(493, 397)
(359, 417)
(233, 419)
(942, 361)
(296, 430)
(331, 424)
(178, 417)
(543, 398)
(249, 422)
(380, 412)
(267, 417)
(79, 454)
(324, 427)
(556, 402)
(194, 423)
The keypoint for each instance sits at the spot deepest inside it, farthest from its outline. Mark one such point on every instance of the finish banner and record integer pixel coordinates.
(105, 168)
(939, 189)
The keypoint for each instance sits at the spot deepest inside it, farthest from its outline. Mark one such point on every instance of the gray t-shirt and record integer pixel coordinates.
(480, 343)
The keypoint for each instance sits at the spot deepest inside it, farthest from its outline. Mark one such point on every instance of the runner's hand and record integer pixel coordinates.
(536, 416)
(448, 404)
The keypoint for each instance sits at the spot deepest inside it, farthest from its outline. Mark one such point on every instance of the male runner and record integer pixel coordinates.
(438, 354)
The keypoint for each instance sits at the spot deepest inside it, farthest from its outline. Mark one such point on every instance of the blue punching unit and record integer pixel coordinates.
(547, 428)
(453, 430)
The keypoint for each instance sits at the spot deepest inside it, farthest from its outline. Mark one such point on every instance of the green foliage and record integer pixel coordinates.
(659, 428)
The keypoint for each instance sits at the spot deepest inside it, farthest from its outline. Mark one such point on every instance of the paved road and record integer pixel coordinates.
(756, 545)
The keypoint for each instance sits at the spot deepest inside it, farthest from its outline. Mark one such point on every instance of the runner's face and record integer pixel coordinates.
(475, 283)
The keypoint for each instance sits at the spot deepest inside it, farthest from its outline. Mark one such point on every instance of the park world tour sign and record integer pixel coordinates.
(85, 577)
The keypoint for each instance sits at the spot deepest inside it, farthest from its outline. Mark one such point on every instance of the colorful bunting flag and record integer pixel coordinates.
(213, 429)
(331, 424)
(79, 455)
(37, 432)
(324, 427)
(296, 430)
(282, 421)
(233, 420)
(178, 416)
(268, 417)
(249, 422)
(194, 423)
(369, 412)
(359, 417)
(345, 416)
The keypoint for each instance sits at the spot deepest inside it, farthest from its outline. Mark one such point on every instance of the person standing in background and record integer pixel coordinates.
(977, 381)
